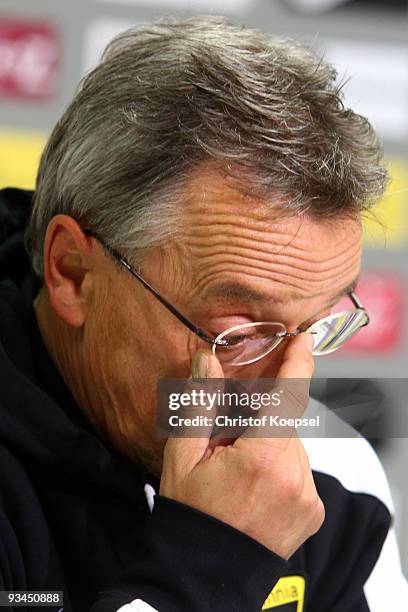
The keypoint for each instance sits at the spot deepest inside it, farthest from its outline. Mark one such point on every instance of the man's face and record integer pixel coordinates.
(236, 261)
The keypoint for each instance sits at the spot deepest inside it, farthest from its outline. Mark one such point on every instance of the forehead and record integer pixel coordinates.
(231, 237)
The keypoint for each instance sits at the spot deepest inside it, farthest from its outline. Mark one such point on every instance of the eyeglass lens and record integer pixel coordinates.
(253, 341)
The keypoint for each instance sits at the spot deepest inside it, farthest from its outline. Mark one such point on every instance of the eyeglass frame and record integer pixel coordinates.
(180, 316)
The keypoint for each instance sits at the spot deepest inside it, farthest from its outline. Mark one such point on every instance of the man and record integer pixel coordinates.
(219, 167)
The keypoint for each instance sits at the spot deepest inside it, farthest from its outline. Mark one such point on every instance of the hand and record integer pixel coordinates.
(262, 486)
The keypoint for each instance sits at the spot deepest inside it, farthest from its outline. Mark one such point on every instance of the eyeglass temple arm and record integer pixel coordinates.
(356, 301)
(199, 332)
(359, 305)
(118, 257)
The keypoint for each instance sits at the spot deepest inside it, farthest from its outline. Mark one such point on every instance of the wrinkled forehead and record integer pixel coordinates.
(232, 235)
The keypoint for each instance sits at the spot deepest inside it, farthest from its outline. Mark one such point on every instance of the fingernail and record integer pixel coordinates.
(310, 342)
(199, 366)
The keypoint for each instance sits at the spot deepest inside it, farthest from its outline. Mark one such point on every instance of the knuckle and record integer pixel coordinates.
(310, 504)
(318, 515)
(320, 512)
(294, 486)
(260, 465)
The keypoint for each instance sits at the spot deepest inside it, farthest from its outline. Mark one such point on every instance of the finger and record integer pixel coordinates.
(298, 360)
(187, 450)
(293, 384)
(295, 374)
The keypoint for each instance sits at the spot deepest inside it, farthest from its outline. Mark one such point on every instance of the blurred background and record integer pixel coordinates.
(47, 46)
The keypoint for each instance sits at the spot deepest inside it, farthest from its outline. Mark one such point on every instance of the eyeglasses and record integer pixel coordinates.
(247, 343)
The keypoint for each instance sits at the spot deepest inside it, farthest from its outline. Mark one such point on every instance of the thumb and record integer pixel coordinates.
(186, 452)
(206, 365)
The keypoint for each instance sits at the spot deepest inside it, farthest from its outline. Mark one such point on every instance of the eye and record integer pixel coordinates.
(240, 338)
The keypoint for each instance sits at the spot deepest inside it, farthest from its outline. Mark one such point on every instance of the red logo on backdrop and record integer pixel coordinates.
(28, 59)
(383, 295)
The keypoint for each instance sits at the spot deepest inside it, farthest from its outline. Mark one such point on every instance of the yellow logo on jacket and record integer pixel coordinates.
(287, 595)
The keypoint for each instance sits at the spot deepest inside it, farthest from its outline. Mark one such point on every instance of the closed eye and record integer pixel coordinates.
(234, 340)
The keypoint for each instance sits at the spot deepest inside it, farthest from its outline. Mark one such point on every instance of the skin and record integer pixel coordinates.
(111, 339)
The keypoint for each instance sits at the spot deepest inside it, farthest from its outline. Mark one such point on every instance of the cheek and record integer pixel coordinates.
(178, 350)
(116, 333)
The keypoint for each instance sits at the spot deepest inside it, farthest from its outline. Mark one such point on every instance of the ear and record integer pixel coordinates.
(67, 265)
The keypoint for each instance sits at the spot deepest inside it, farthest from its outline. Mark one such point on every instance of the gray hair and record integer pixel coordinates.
(173, 94)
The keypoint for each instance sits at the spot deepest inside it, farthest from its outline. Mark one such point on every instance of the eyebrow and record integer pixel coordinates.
(235, 290)
(349, 289)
